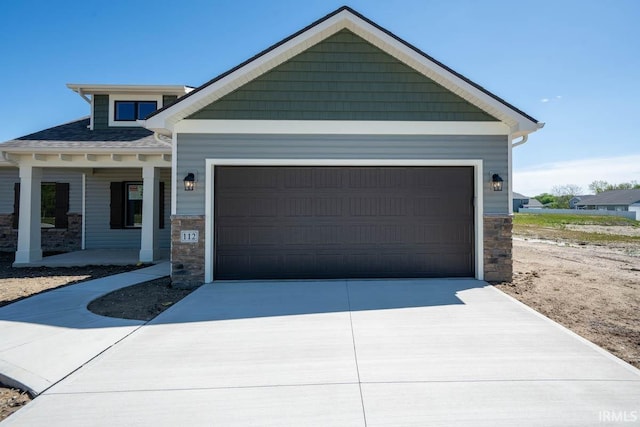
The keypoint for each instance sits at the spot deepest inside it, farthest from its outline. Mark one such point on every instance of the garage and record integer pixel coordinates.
(289, 222)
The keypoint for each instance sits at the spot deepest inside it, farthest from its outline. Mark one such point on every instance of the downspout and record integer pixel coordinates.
(522, 141)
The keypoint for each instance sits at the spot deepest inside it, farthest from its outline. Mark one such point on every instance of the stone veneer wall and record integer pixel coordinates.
(53, 239)
(498, 262)
(187, 259)
(8, 236)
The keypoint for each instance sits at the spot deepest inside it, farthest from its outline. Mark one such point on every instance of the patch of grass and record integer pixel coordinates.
(556, 227)
(577, 236)
(561, 220)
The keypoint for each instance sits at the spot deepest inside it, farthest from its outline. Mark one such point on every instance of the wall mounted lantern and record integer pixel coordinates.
(190, 182)
(496, 182)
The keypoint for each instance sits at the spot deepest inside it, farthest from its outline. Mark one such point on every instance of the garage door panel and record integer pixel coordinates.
(319, 222)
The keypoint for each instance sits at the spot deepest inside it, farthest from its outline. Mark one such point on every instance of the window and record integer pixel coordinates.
(133, 204)
(126, 205)
(130, 111)
(54, 204)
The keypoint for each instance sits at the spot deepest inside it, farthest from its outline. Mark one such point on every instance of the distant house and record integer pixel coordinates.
(522, 201)
(577, 199)
(614, 200)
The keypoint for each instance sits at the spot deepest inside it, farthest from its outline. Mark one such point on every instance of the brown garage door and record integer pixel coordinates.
(343, 222)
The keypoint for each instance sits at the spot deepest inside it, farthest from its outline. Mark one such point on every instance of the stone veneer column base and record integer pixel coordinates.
(498, 248)
(8, 234)
(187, 259)
(52, 239)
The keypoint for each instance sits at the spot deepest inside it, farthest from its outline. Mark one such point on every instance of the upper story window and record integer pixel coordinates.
(130, 111)
(126, 108)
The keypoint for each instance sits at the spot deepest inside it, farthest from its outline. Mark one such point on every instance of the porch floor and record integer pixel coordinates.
(121, 256)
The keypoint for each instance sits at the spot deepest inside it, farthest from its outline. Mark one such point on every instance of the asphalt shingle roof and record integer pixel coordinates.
(613, 197)
(77, 135)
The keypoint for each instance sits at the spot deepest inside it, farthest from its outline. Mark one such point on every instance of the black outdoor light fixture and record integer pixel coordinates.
(189, 182)
(496, 182)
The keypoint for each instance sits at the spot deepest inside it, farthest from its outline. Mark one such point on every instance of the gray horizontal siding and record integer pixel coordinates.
(98, 231)
(193, 149)
(343, 78)
(9, 176)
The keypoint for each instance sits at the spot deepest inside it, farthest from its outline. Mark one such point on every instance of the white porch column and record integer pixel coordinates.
(149, 234)
(29, 242)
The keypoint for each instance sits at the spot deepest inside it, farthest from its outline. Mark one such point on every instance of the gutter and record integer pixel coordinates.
(525, 137)
(7, 158)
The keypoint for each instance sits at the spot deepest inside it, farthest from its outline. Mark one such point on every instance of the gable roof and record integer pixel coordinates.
(534, 203)
(520, 196)
(164, 119)
(613, 197)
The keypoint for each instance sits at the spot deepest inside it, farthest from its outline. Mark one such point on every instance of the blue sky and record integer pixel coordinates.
(572, 64)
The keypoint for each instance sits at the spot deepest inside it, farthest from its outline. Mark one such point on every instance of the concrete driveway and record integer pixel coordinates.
(346, 353)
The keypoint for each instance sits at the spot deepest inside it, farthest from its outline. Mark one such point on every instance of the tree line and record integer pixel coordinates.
(561, 194)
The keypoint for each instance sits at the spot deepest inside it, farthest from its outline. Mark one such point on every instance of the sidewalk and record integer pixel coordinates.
(58, 324)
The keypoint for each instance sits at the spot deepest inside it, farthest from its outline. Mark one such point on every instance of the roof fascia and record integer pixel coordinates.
(164, 120)
(106, 89)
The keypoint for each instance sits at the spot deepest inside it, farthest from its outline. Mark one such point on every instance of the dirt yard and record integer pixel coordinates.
(592, 289)
(20, 283)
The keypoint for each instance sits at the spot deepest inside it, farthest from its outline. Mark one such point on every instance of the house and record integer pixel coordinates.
(573, 202)
(522, 201)
(613, 200)
(340, 152)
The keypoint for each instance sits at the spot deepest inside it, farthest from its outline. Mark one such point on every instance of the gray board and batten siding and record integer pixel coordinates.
(343, 77)
(193, 149)
(101, 109)
(99, 233)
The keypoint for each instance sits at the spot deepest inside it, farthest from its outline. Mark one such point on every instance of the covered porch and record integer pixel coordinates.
(119, 225)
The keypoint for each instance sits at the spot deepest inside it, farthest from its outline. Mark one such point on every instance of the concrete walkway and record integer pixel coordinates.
(345, 353)
(46, 337)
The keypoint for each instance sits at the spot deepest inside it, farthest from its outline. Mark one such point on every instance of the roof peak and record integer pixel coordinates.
(344, 17)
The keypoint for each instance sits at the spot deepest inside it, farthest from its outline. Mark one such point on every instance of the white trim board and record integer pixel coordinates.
(340, 127)
(210, 196)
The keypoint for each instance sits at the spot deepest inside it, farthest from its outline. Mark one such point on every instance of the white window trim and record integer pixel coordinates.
(477, 164)
(129, 97)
